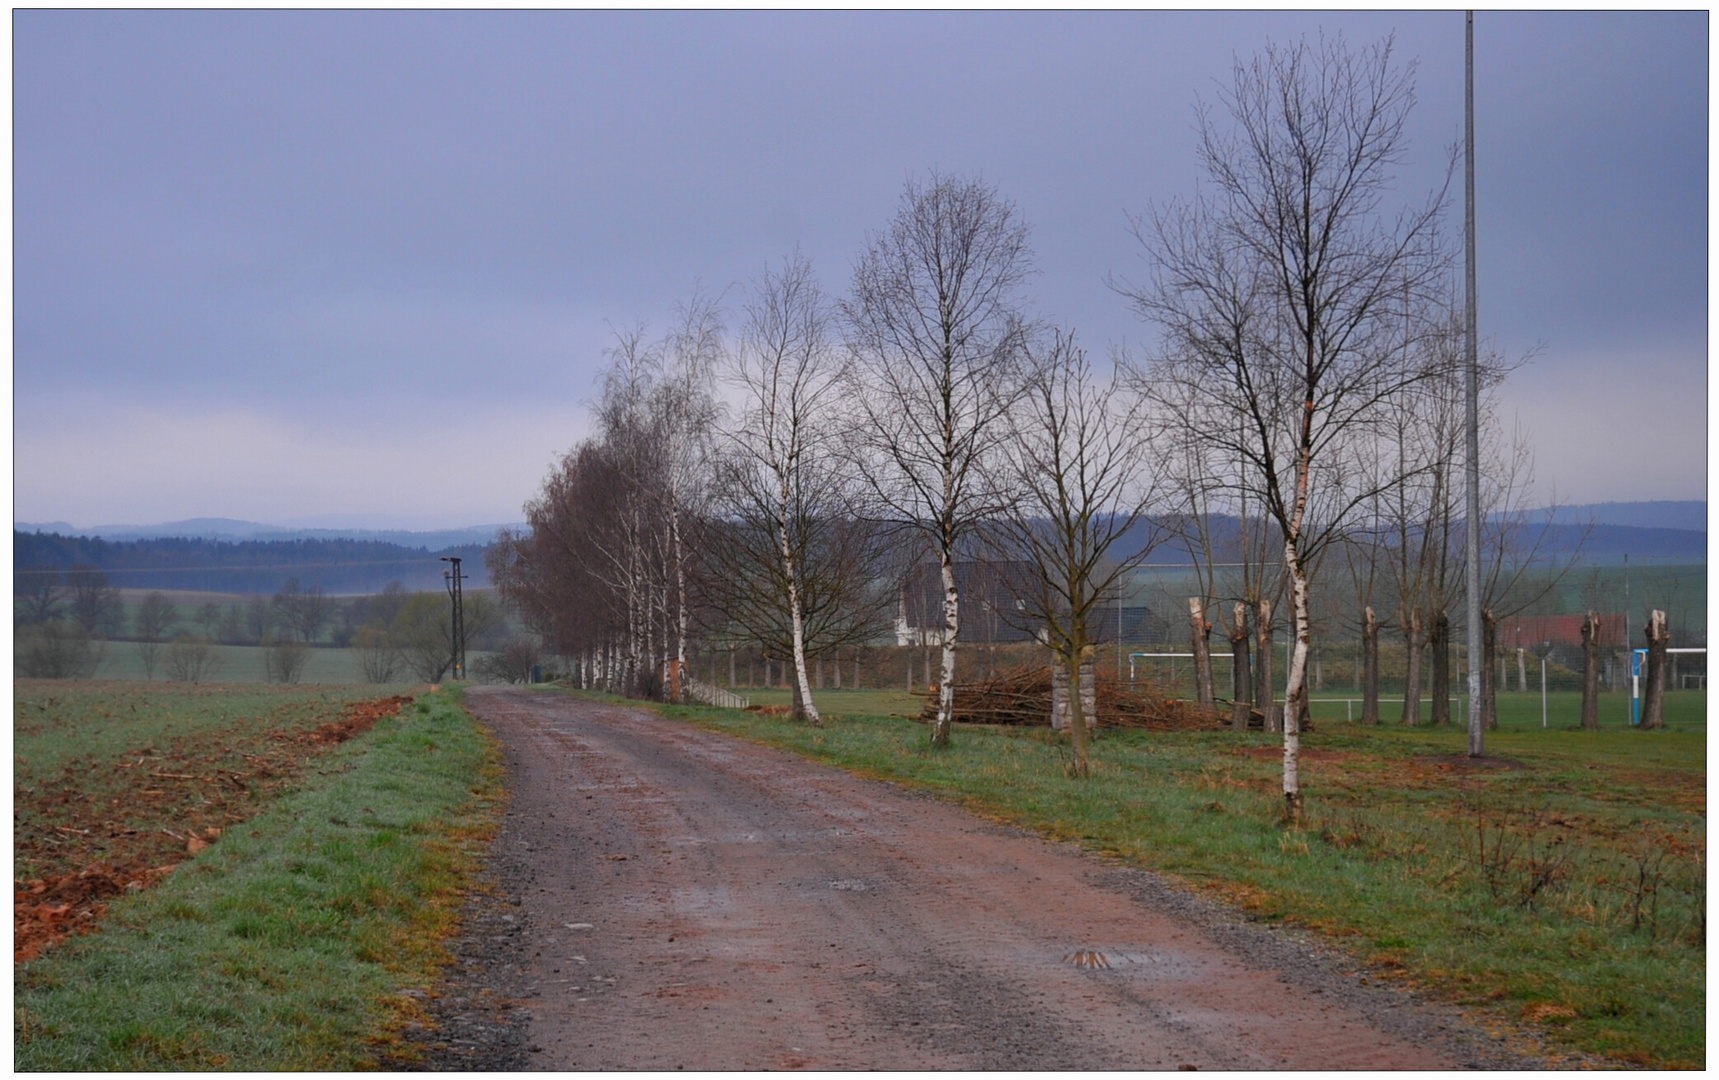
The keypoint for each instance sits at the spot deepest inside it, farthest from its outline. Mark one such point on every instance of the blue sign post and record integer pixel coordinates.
(1635, 658)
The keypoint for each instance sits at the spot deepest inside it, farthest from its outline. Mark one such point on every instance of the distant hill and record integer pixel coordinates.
(1690, 514)
(1599, 544)
(247, 566)
(234, 530)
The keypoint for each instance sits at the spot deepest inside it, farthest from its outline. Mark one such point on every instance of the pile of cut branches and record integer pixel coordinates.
(1022, 696)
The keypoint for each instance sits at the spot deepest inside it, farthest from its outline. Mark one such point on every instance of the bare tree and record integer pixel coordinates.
(1282, 294)
(789, 379)
(154, 619)
(304, 610)
(37, 595)
(937, 334)
(191, 658)
(378, 655)
(424, 630)
(1076, 461)
(95, 602)
(513, 662)
(284, 656)
(56, 649)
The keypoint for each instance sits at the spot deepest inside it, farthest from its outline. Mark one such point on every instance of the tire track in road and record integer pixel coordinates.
(690, 900)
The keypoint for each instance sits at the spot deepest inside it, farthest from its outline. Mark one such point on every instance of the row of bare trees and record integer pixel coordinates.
(772, 487)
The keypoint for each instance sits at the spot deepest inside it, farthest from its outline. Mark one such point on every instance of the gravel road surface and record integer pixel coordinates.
(665, 897)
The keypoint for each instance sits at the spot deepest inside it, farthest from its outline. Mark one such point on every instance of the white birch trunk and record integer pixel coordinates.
(805, 699)
(951, 627)
(1297, 680)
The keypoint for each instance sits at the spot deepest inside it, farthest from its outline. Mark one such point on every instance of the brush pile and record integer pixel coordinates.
(1022, 696)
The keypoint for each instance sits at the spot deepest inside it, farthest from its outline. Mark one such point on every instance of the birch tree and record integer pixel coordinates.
(1279, 291)
(1076, 463)
(937, 338)
(788, 377)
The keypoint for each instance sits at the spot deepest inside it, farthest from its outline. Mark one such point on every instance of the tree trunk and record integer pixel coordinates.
(1591, 671)
(1263, 691)
(951, 630)
(1241, 677)
(1073, 703)
(1412, 676)
(1653, 703)
(1488, 673)
(836, 669)
(1370, 668)
(1438, 642)
(1295, 690)
(1521, 669)
(1202, 649)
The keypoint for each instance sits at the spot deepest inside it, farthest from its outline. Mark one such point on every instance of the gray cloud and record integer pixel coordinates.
(320, 217)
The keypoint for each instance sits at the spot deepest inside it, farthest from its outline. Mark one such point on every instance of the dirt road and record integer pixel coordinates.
(687, 900)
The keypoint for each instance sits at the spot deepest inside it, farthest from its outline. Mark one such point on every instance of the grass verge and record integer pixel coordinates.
(1562, 886)
(283, 946)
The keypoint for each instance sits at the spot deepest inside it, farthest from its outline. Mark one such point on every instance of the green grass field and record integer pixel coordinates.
(283, 945)
(1562, 887)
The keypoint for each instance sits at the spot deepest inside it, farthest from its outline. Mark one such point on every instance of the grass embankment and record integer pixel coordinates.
(282, 946)
(1562, 886)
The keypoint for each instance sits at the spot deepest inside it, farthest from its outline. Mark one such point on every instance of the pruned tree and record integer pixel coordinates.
(1281, 293)
(937, 335)
(1653, 701)
(1076, 465)
(1591, 671)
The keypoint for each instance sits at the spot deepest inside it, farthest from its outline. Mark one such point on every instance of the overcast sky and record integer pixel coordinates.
(359, 268)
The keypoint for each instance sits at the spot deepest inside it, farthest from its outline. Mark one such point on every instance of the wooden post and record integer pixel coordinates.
(1202, 650)
(1370, 668)
(1653, 704)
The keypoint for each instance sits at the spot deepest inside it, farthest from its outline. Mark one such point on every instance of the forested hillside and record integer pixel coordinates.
(249, 566)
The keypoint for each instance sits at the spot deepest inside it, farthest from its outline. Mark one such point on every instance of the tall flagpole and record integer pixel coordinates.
(1476, 651)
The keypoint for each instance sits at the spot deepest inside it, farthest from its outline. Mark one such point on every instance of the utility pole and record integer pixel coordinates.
(1476, 736)
(452, 580)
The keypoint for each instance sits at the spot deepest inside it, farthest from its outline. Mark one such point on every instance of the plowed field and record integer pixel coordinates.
(118, 783)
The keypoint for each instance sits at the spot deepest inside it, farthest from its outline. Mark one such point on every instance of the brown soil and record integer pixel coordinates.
(1022, 696)
(360, 717)
(99, 836)
(689, 900)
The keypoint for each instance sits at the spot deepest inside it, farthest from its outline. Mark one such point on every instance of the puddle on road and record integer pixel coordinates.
(1129, 962)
